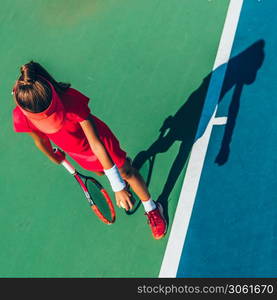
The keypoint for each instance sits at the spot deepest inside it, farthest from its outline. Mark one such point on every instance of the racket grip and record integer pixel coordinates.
(68, 166)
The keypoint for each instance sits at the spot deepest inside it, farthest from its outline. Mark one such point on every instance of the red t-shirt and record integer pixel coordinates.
(71, 138)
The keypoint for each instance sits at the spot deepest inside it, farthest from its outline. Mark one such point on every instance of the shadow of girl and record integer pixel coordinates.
(241, 69)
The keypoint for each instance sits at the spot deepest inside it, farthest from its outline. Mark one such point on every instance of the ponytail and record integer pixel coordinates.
(32, 92)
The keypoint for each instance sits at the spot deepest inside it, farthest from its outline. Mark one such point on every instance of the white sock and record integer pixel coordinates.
(149, 205)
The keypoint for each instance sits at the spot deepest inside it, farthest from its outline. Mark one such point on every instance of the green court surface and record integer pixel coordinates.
(139, 61)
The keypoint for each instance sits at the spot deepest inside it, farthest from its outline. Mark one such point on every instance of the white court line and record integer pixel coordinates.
(184, 208)
(220, 121)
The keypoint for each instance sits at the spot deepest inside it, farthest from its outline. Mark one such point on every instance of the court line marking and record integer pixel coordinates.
(185, 204)
(220, 121)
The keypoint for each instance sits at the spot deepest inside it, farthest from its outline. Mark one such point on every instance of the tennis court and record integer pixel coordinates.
(148, 67)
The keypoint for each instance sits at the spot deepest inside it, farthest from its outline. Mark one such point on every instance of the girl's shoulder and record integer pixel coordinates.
(18, 115)
(75, 104)
(20, 122)
(72, 97)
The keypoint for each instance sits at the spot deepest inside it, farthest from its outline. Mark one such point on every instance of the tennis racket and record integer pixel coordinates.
(96, 195)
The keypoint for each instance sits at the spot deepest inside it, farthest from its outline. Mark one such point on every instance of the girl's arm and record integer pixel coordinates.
(44, 145)
(90, 130)
(95, 143)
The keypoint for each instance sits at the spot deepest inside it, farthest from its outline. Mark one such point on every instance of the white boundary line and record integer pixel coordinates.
(184, 208)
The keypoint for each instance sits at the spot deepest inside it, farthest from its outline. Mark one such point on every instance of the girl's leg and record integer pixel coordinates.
(98, 173)
(133, 177)
(153, 210)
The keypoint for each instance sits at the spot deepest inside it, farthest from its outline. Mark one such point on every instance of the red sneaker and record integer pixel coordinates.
(157, 222)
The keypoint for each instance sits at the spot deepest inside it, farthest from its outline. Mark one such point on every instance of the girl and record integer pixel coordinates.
(52, 111)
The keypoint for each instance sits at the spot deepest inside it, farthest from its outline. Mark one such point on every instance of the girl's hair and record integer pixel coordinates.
(33, 93)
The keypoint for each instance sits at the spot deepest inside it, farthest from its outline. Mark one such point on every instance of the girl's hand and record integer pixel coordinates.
(123, 199)
(58, 157)
(55, 160)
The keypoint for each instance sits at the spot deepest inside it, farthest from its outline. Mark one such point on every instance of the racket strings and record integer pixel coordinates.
(103, 206)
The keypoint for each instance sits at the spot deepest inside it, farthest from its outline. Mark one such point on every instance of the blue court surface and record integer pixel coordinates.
(233, 226)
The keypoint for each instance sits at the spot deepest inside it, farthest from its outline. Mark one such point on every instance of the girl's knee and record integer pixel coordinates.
(127, 171)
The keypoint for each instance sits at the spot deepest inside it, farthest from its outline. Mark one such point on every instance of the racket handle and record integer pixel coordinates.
(68, 167)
